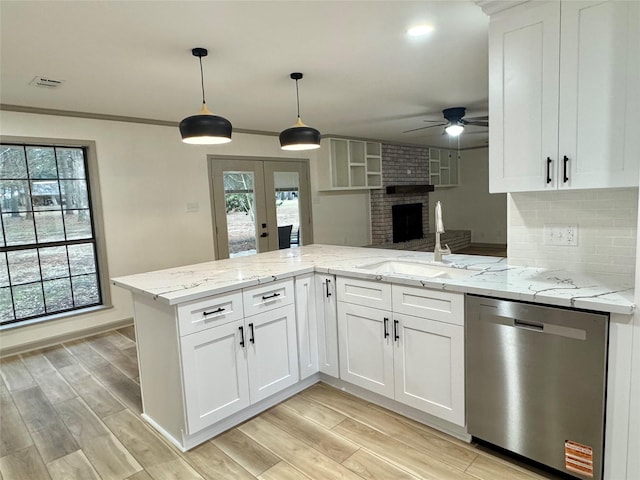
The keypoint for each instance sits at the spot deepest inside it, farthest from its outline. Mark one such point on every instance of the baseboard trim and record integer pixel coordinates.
(76, 335)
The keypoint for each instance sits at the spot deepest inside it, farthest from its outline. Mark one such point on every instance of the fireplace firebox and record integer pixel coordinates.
(407, 222)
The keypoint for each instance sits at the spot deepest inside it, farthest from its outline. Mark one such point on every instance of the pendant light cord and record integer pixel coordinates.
(297, 98)
(202, 79)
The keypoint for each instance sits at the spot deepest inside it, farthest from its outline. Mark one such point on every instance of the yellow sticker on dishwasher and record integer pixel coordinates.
(578, 458)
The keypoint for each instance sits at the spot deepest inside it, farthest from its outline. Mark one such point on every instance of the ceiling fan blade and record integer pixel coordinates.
(422, 128)
(486, 117)
(479, 123)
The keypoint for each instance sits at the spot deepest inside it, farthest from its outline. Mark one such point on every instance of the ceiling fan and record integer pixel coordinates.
(455, 121)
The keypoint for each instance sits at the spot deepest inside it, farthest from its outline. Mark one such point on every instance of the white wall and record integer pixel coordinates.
(147, 176)
(607, 225)
(470, 206)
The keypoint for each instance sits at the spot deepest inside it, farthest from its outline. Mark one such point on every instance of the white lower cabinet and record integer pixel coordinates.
(327, 317)
(429, 367)
(215, 375)
(230, 366)
(307, 324)
(272, 352)
(416, 360)
(366, 347)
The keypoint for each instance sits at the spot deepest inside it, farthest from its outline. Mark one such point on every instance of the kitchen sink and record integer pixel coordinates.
(417, 269)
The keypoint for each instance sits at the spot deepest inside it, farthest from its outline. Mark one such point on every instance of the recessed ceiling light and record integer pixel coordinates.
(419, 30)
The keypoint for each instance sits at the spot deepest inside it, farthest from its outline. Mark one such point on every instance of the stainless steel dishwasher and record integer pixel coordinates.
(536, 382)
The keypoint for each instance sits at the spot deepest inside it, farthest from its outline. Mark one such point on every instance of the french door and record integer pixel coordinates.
(259, 205)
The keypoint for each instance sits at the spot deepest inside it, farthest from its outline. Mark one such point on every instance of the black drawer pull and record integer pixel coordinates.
(241, 336)
(549, 161)
(396, 337)
(327, 283)
(218, 310)
(270, 296)
(565, 160)
(251, 338)
(386, 331)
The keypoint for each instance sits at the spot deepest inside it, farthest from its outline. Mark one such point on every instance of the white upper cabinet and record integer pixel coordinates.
(350, 164)
(563, 90)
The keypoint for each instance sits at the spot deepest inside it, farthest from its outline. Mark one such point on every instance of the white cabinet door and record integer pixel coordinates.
(366, 347)
(563, 92)
(327, 313)
(214, 370)
(599, 83)
(429, 367)
(524, 56)
(272, 351)
(306, 324)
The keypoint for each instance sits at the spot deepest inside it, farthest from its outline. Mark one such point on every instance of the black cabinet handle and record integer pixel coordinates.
(264, 234)
(267, 297)
(327, 283)
(386, 332)
(241, 336)
(549, 161)
(218, 310)
(251, 338)
(565, 160)
(395, 330)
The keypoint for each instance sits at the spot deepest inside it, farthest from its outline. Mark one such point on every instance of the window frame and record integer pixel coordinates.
(93, 190)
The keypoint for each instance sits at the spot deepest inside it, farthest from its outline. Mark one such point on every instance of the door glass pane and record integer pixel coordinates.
(239, 199)
(287, 208)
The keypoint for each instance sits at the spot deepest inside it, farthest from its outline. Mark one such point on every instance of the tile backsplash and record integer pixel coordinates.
(607, 224)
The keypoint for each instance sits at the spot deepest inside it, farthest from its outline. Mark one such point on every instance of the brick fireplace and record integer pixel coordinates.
(401, 165)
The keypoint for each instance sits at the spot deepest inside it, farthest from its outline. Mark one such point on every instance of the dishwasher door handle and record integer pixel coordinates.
(528, 325)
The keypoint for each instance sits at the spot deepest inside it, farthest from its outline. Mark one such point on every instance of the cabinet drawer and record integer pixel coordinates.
(364, 292)
(267, 297)
(433, 304)
(210, 312)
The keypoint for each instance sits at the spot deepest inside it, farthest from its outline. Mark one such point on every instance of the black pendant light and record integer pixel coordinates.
(204, 128)
(300, 136)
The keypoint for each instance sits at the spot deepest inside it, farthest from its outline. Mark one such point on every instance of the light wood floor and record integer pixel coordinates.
(72, 412)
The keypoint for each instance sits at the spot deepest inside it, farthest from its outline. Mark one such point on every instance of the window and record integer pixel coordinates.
(48, 249)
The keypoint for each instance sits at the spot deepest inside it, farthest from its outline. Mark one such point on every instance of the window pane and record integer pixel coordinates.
(57, 294)
(41, 162)
(74, 194)
(85, 290)
(53, 262)
(15, 196)
(23, 266)
(78, 224)
(49, 226)
(4, 272)
(6, 308)
(45, 195)
(18, 230)
(28, 300)
(82, 259)
(12, 162)
(70, 162)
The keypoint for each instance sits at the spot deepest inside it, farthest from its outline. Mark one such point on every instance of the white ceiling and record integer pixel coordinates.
(363, 77)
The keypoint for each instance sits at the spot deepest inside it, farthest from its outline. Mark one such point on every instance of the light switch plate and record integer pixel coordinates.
(561, 234)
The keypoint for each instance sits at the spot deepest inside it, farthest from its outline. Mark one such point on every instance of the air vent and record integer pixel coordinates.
(46, 82)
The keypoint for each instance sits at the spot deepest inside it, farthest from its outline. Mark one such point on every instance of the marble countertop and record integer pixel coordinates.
(491, 276)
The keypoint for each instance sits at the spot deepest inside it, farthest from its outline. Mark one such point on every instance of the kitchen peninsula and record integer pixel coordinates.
(220, 341)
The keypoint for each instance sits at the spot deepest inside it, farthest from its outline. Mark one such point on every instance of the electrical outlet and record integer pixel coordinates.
(561, 234)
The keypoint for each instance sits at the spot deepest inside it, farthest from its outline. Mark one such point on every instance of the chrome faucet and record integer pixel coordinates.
(438, 251)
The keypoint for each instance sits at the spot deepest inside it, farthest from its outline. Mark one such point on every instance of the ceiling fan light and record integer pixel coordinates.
(454, 129)
(299, 136)
(204, 128)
